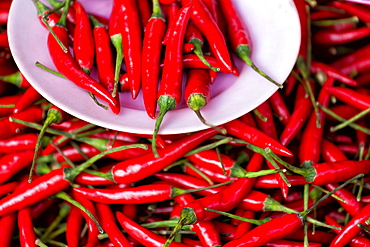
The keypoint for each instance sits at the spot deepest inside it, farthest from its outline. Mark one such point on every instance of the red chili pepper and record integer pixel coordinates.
(289, 243)
(332, 72)
(271, 182)
(169, 94)
(141, 167)
(188, 47)
(144, 13)
(351, 205)
(266, 125)
(130, 27)
(17, 79)
(272, 230)
(279, 107)
(136, 195)
(10, 100)
(7, 188)
(354, 9)
(11, 164)
(351, 229)
(4, 11)
(104, 55)
(93, 230)
(351, 97)
(66, 65)
(27, 235)
(41, 207)
(193, 61)
(71, 153)
(83, 40)
(239, 37)
(304, 24)
(251, 135)
(109, 225)
(355, 61)
(143, 235)
(18, 143)
(29, 97)
(74, 226)
(243, 227)
(204, 21)
(356, 241)
(4, 39)
(85, 178)
(330, 152)
(330, 37)
(152, 46)
(114, 135)
(9, 128)
(313, 235)
(170, 11)
(7, 225)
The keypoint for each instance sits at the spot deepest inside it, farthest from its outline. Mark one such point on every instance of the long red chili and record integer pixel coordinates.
(74, 226)
(18, 143)
(152, 46)
(12, 163)
(169, 94)
(204, 21)
(254, 136)
(68, 66)
(350, 96)
(272, 230)
(27, 235)
(333, 72)
(279, 107)
(29, 97)
(143, 235)
(7, 225)
(330, 37)
(141, 167)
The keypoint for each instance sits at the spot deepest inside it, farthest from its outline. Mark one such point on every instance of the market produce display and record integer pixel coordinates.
(292, 172)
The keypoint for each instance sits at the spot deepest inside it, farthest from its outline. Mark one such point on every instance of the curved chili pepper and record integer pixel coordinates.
(279, 107)
(330, 152)
(243, 227)
(152, 46)
(194, 36)
(251, 135)
(12, 163)
(350, 203)
(270, 181)
(93, 179)
(7, 225)
(71, 153)
(141, 167)
(65, 64)
(29, 97)
(351, 230)
(93, 231)
(332, 72)
(239, 37)
(193, 61)
(351, 97)
(74, 226)
(303, 53)
(267, 126)
(353, 62)
(329, 37)
(169, 94)
(27, 235)
(9, 128)
(272, 230)
(141, 234)
(7, 188)
(204, 21)
(170, 11)
(354, 9)
(8, 100)
(109, 225)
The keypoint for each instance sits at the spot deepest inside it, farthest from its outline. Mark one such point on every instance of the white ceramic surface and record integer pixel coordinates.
(273, 26)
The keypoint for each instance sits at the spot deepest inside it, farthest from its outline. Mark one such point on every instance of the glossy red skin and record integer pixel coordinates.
(356, 241)
(135, 195)
(330, 152)
(137, 168)
(351, 97)
(204, 21)
(83, 39)
(7, 225)
(333, 72)
(272, 230)
(29, 97)
(74, 226)
(268, 126)
(334, 172)
(143, 235)
(12, 163)
(313, 235)
(303, 21)
(256, 137)
(173, 67)
(170, 11)
(108, 222)
(68, 66)
(31, 193)
(152, 46)
(27, 236)
(18, 143)
(354, 9)
(9, 129)
(332, 37)
(198, 82)
(279, 108)
(8, 100)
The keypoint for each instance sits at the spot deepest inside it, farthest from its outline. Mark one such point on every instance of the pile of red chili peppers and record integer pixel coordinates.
(293, 172)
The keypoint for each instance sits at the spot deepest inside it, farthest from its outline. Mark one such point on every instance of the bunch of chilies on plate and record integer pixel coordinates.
(293, 172)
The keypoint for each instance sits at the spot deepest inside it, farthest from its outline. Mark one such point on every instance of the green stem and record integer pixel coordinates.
(350, 121)
(199, 52)
(253, 221)
(165, 223)
(200, 173)
(213, 145)
(166, 103)
(40, 243)
(326, 191)
(339, 118)
(204, 121)
(259, 115)
(117, 43)
(104, 175)
(63, 212)
(40, 65)
(61, 229)
(7, 106)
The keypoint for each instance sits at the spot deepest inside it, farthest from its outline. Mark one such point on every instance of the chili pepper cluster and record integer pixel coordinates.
(293, 172)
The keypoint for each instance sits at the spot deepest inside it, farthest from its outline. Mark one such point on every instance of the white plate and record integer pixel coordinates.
(273, 26)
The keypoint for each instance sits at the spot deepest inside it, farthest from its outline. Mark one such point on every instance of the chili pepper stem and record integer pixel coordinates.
(173, 234)
(198, 51)
(243, 52)
(202, 119)
(166, 103)
(253, 221)
(117, 43)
